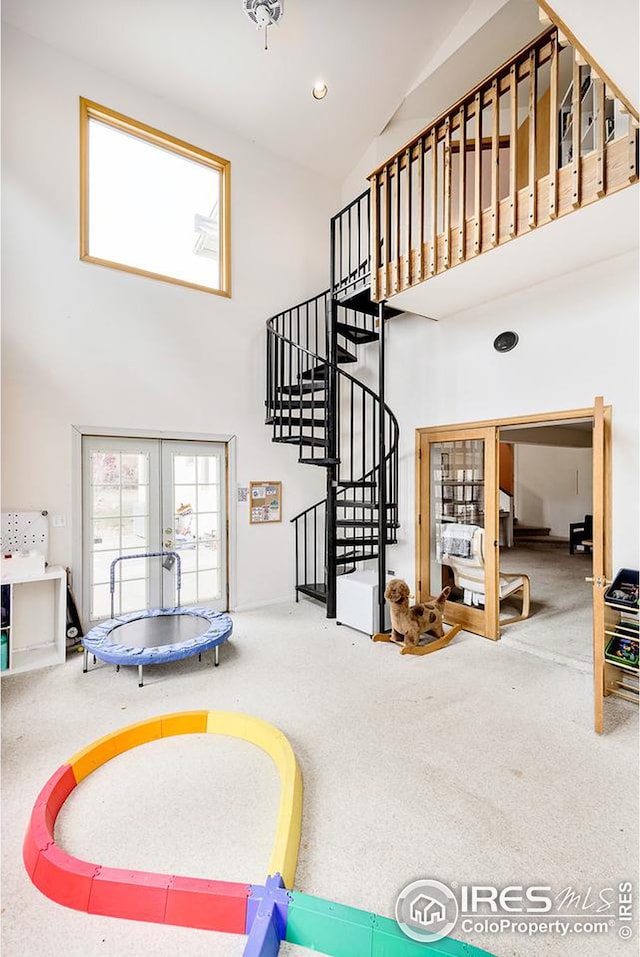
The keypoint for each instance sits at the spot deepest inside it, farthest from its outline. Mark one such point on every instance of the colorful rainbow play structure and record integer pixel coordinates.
(267, 914)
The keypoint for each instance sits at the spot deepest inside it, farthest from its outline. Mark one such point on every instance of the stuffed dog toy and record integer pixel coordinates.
(408, 622)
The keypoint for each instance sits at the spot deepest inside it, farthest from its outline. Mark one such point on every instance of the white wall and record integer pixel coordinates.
(553, 486)
(578, 339)
(95, 346)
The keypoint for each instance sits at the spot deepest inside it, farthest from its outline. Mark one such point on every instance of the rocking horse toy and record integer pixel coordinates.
(410, 622)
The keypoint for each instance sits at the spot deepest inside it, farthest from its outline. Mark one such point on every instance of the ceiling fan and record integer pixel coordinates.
(264, 13)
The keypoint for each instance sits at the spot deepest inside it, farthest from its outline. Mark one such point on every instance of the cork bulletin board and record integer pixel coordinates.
(265, 502)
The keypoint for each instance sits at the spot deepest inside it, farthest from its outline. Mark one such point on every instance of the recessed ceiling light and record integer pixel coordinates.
(505, 342)
(320, 90)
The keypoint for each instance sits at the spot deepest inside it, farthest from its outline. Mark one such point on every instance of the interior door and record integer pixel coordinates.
(601, 545)
(194, 522)
(458, 524)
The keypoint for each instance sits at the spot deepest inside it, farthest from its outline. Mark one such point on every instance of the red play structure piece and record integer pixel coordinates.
(207, 905)
(57, 790)
(135, 895)
(63, 878)
(115, 892)
(43, 817)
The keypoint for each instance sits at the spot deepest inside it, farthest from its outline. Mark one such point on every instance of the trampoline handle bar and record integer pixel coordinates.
(123, 558)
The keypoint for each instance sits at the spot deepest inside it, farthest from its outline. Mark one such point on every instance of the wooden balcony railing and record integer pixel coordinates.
(543, 135)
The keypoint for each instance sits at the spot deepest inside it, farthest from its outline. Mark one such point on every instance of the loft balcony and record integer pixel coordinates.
(543, 136)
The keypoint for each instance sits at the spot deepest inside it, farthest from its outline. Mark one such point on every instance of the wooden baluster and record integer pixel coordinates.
(408, 272)
(374, 235)
(495, 163)
(513, 151)
(462, 185)
(533, 99)
(576, 118)
(599, 109)
(433, 257)
(387, 232)
(421, 189)
(478, 177)
(446, 216)
(553, 128)
(396, 284)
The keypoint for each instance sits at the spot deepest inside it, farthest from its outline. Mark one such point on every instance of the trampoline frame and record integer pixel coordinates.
(97, 641)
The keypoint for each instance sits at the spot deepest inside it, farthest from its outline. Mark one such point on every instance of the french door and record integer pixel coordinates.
(457, 543)
(152, 495)
(457, 484)
(601, 548)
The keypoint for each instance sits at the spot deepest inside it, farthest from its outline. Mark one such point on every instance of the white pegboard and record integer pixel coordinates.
(25, 531)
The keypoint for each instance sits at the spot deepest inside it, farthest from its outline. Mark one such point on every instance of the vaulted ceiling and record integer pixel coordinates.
(206, 56)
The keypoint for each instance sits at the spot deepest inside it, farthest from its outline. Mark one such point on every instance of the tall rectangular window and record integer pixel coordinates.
(152, 204)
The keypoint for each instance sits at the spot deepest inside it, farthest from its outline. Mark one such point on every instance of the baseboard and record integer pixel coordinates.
(254, 605)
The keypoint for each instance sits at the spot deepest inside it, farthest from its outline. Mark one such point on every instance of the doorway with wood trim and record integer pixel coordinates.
(546, 491)
(460, 522)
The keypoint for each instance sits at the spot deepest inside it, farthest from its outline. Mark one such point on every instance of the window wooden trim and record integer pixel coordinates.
(90, 110)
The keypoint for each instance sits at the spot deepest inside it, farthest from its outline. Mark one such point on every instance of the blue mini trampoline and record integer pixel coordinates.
(158, 635)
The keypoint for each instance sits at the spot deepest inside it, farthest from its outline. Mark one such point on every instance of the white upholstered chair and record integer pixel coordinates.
(469, 576)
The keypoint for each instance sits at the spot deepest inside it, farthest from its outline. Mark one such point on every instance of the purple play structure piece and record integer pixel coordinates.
(256, 893)
(267, 910)
(264, 939)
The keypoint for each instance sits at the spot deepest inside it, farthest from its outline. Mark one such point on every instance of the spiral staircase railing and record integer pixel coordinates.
(337, 421)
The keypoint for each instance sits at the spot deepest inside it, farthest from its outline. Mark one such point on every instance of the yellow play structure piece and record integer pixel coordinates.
(284, 856)
(265, 736)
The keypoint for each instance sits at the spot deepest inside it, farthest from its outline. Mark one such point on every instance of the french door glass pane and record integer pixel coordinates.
(189, 594)
(197, 524)
(457, 520)
(119, 517)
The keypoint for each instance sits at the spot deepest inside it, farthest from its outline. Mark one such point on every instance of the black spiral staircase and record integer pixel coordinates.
(338, 422)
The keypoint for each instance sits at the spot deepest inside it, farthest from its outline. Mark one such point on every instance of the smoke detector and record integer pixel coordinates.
(264, 13)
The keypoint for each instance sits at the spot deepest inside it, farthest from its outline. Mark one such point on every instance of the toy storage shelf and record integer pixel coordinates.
(620, 677)
(34, 620)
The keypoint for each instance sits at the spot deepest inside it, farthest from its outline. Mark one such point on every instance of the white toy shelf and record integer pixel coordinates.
(34, 619)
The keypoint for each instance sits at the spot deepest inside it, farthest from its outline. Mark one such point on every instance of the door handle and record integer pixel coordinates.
(168, 531)
(168, 544)
(599, 581)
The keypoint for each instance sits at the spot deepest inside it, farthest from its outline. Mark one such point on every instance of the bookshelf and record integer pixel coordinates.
(587, 119)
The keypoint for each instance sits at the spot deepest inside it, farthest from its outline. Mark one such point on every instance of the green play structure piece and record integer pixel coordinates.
(329, 928)
(340, 931)
(389, 941)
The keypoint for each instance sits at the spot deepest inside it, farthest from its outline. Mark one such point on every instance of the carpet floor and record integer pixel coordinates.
(475, 764)
(561, 623)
